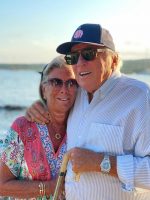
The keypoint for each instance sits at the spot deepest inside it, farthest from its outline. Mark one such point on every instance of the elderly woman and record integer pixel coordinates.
(30, 163)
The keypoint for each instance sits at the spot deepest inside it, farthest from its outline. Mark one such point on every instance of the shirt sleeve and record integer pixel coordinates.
(134, 169)
(12, 153)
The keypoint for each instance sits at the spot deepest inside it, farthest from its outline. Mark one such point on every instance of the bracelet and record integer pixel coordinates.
(42, 189)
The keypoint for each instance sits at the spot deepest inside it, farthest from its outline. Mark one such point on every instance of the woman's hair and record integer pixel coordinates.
(57, 62)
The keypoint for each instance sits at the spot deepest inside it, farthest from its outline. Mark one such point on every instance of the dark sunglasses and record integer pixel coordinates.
(58, 83)
(88, 54)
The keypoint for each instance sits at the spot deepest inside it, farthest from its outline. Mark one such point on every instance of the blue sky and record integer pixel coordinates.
(32, 29)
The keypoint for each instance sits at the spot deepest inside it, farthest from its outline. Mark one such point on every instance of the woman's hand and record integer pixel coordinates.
(38, 113)
(61, 195)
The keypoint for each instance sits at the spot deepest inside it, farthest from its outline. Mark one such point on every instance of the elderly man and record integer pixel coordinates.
(109, 126)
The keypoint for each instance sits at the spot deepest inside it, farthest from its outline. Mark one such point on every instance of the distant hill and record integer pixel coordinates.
(136, 66)
(35, 67)
(129, 66)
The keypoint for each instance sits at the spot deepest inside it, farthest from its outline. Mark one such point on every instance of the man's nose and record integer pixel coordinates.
(81, 61)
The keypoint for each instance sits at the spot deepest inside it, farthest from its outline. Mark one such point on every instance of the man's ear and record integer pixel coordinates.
(115, 60)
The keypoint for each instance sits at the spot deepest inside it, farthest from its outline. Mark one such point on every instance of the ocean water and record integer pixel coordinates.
(19, 89)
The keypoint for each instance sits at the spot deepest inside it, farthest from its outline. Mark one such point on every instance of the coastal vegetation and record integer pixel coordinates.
(128, 67)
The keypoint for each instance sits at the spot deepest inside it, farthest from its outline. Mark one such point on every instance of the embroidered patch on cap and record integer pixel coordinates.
(78, 34)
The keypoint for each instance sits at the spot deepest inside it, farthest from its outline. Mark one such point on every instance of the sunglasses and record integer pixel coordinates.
(58, 83)
(88, 55)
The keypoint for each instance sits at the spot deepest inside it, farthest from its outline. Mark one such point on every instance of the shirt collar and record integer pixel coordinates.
(108, 85)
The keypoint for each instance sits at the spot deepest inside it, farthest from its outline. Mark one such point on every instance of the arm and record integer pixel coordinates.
(10, 186)
(134, 169)
(12, 169)
(37, 112)
(84, 160)
(133, 172)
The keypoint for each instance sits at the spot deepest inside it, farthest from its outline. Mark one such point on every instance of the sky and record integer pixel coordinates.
(30, 30)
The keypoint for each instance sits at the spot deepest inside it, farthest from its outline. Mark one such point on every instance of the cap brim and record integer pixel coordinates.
(67, 46)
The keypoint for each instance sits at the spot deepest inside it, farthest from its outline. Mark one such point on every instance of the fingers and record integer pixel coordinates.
(37, 113)
(75, 159)
(83, 160)
(27, 116)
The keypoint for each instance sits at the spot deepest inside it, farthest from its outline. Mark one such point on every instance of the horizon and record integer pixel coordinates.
(43, 63)
(38, 63)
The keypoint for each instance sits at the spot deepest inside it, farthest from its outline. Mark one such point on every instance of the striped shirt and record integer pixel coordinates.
(117, 122)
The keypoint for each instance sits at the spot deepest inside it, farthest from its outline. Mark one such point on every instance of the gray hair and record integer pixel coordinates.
(57, 62)
(119, 61)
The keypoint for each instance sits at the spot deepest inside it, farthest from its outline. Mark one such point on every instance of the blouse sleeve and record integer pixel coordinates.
(12, 153)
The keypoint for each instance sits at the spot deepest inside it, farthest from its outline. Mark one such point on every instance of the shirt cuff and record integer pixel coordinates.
(125, 170)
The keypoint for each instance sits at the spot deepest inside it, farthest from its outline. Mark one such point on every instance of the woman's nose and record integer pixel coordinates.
(64, 88)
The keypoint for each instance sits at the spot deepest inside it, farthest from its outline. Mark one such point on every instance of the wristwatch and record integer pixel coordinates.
(105, 165)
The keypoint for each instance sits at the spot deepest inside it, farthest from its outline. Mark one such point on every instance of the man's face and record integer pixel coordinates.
(90, 75)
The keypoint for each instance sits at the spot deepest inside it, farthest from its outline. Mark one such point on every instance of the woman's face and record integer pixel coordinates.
(60, 89)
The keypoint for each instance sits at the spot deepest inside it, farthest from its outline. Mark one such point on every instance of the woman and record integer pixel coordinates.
(30, 163)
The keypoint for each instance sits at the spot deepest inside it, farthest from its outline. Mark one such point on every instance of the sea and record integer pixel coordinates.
(19, 89)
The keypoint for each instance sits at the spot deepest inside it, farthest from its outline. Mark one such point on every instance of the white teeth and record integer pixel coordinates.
(84, 73)
(63, 99)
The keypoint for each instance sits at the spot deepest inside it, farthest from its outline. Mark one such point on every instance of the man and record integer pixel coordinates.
(109, 126)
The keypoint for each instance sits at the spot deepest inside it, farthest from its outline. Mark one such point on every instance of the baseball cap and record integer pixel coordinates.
(92, 34)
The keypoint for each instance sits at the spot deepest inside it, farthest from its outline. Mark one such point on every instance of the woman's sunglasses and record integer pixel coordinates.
(88, 54)
(58, 83)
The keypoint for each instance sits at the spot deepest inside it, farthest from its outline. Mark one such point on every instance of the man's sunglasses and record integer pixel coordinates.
(88, 54)
(58, 83)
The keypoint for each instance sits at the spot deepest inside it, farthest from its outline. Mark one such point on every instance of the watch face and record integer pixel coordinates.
(105, 165)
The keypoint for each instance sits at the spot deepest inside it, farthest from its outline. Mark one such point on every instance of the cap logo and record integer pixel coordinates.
(78, 34)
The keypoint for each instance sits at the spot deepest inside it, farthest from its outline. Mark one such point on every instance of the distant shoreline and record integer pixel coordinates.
(129, 66)
(34, 67)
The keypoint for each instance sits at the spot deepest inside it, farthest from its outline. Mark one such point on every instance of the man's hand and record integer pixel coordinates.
(38, 113)
(84, 160)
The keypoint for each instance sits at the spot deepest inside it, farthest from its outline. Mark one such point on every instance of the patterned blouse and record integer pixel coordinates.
(29, 152)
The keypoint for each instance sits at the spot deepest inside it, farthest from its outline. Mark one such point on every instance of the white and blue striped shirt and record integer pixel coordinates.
(116, 121)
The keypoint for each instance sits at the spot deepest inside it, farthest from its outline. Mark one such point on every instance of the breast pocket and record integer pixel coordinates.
(105, 138)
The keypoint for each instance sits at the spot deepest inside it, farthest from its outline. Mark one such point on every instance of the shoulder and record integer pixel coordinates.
(22, 126)
(27, 131)
(21, 122)
(134, 85)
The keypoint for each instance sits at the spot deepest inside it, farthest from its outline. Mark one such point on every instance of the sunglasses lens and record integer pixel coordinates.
(71, 83)
(88, 54)
(56, 82)
(72, 58)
